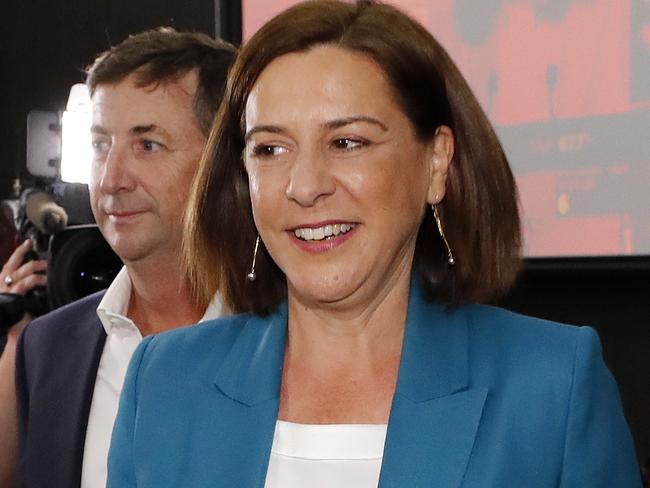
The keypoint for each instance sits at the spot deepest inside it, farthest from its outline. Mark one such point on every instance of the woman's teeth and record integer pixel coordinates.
(320, 233)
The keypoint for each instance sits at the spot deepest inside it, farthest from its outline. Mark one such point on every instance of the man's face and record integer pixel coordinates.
(147, 144)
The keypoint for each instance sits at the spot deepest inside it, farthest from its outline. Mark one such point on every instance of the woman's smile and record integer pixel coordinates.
(322, 237)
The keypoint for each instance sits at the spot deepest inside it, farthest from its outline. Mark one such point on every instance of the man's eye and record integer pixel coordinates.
(268, 150)
(348, 144)
(100, 147)
(151, 146)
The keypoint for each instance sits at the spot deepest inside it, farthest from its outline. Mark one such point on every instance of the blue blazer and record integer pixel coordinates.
(484, 398)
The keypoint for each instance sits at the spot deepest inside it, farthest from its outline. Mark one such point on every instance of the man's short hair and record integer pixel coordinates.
(165, 55)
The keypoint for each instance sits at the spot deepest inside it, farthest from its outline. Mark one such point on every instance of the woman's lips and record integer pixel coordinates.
(322, 236)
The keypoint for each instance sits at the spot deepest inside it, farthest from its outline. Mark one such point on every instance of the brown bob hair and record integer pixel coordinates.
(164, 54)
(479, 211)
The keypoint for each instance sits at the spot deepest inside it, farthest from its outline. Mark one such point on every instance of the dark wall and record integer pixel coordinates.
(613, 296)
(44, 46)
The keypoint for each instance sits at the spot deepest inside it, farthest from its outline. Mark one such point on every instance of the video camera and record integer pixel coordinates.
(53, 210)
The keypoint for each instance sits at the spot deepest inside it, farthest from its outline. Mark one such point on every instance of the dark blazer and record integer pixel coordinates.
(484, 398)
(56, 365)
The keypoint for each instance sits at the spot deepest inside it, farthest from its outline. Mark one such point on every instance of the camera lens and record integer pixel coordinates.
(81, 263)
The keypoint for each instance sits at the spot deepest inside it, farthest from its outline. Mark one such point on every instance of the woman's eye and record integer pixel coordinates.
(268, 150)
(348, 144)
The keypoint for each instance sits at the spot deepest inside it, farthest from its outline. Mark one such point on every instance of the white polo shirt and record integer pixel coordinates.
(122, 337)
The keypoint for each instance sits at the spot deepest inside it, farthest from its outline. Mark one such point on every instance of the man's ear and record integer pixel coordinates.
(441, 157)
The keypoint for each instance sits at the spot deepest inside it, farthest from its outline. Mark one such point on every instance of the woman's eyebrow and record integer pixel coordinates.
(263, 128)
(335, 124)
(331, 124)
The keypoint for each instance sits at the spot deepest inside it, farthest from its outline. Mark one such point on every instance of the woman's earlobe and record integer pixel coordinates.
(437, 187)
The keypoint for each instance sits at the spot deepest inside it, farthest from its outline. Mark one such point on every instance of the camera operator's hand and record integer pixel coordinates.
(19, 277)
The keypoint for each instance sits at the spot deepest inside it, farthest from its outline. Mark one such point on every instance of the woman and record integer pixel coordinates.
(355, 201)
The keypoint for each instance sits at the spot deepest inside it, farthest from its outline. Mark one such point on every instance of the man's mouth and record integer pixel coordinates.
(123, 214)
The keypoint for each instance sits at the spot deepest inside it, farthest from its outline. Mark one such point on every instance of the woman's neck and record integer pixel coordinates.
(341, 363)
(372, 317)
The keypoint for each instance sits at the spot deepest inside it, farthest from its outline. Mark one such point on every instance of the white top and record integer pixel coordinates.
(122, 337)
(319, 456)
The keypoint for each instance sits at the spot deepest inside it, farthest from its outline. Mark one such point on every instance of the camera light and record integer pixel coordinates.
(76, 142)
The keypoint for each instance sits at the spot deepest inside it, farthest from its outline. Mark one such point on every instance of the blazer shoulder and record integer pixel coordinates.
(507, 324)
(526, 345)
(79, 314)
(222, 329)
(209, 340)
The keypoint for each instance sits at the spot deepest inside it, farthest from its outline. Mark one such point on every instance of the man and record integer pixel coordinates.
(154, 97)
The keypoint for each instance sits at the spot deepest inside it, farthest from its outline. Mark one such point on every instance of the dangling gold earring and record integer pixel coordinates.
(436, 215)
(251, 276)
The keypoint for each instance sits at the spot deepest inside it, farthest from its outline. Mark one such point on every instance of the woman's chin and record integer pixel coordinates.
(323, 290)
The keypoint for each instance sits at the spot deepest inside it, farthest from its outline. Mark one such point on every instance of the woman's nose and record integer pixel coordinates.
(309, 179)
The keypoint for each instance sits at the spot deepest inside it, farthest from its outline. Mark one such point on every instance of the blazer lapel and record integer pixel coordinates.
(250, 378)
(435, 415)
(83, 356)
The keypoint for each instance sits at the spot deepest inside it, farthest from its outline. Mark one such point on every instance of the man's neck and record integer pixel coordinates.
(160, 299)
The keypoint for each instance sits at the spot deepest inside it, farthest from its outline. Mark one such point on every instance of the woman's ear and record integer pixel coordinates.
(443, 153)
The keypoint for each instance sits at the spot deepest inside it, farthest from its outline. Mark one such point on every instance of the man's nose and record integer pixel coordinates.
(116, 171)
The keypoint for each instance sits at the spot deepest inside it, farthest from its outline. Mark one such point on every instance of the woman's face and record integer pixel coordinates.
(338, 181)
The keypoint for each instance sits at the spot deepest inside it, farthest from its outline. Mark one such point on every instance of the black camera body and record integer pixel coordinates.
(56, 215)
(80, 262)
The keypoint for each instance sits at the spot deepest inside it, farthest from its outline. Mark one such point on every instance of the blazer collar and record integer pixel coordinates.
(435, 413)
(434, 360)
(89, 347)
(252, 371)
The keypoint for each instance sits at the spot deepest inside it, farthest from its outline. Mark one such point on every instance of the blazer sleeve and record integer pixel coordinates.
(598, 447)
(122, 466)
